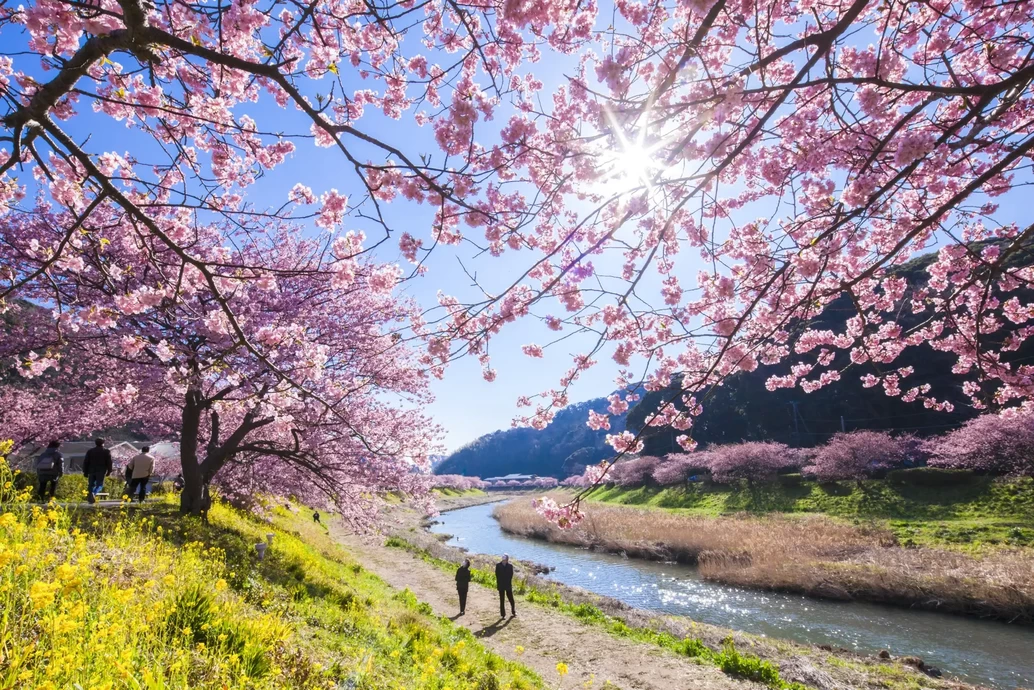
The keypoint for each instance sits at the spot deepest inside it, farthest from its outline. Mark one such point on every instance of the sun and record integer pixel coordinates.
(632, 164)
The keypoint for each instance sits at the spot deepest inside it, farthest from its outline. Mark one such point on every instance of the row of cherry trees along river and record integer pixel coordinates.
(693, 182)
(989, 444)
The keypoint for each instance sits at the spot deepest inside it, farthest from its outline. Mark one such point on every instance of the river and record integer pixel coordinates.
(982, 652)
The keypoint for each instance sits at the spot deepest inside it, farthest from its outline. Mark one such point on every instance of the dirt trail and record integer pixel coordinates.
(547, 636)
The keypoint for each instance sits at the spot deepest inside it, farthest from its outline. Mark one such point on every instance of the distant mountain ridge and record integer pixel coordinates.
(563, 448)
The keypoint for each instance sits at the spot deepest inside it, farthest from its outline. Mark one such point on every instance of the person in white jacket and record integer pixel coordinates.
(139, 470)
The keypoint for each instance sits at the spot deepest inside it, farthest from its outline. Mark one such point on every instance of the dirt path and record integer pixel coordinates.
(547, 637)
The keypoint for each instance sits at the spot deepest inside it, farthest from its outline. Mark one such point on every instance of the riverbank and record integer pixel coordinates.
(805, 554)
(654, 634)
(954, 509)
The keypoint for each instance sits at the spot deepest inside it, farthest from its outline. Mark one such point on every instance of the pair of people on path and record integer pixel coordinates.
(97, 465)
(503, 583)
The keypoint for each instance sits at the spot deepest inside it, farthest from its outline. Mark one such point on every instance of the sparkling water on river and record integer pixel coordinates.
(982, 652)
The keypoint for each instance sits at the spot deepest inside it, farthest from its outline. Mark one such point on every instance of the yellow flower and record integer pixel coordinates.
(520, 650)
(561, 668)
(42, 594)
(220, 585)
(8, 520)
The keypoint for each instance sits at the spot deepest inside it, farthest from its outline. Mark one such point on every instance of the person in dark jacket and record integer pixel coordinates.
(462, 584)
(96, 466)
(50, 466)
(504, 583)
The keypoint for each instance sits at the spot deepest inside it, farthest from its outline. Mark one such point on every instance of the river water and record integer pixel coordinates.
(982, 652)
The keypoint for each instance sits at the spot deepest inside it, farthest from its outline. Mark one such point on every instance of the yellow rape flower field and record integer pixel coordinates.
(148, 600)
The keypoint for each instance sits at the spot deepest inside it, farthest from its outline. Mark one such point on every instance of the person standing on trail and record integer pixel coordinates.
(462, 583)
(96, 466)
(139, 470)
(50, 465)
(504, 583)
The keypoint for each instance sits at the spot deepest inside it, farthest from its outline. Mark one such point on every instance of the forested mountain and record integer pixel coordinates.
(560, 450)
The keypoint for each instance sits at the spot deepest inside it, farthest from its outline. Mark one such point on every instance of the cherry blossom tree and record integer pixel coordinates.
(752, 461)
(999, 444)
(856, 455)
(634, 471)
(304, 409)
(456, 481)
(676, 468)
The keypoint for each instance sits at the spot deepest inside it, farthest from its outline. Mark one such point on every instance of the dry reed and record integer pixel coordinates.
(810, 555)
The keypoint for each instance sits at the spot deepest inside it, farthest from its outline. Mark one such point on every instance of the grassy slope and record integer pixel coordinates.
(146, 599)
(922, 507)
(455, 493)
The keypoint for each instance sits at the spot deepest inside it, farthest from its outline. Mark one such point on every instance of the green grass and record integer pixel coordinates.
(922, 507)
(453, 493)
(727, 658)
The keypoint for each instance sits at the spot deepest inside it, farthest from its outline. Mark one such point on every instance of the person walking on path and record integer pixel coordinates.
(50, 465)
(96, 466)
(504, 583)
(463, 583)
(139, 470)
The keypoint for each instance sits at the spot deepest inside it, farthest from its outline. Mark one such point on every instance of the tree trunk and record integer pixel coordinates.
(193, 482)
(190, 498)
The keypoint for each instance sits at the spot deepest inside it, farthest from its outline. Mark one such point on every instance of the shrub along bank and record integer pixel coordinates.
(108, 599)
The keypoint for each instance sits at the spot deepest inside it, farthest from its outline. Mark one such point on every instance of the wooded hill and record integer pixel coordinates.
(563, 448)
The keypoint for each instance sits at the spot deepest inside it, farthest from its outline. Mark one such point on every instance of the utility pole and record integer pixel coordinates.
(842, 428)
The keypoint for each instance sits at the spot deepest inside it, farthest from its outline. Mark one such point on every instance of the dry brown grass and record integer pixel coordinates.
(809, 555)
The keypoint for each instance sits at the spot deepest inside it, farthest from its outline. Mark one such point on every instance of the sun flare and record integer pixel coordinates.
(633, 163)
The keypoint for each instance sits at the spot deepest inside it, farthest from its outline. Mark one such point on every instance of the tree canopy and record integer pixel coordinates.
(686, 187)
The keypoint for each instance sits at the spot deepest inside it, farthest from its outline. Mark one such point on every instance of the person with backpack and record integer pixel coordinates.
(139, 471)
(49, 468)
(463, 583)
(96, 466)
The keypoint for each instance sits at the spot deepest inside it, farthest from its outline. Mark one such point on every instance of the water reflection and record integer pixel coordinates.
(984, 652)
